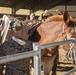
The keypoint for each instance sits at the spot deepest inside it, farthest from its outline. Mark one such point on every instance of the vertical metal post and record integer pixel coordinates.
(13, 10)
(37, 59)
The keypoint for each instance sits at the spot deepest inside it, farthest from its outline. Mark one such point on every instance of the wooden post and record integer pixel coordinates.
(13, 11)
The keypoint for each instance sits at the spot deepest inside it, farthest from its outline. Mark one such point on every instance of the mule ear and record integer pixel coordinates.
(66, 16)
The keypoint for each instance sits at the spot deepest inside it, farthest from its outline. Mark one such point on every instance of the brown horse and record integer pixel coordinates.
(54, 29)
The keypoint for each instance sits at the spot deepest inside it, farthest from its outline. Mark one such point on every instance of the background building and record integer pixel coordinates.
(23, 7)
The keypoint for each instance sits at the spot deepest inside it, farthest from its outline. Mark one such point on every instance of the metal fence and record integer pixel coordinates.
(36, 53)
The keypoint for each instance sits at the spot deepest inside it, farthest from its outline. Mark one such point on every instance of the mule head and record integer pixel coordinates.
(69, 28)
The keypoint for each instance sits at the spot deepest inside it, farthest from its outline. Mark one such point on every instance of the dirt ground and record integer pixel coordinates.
(64, 65)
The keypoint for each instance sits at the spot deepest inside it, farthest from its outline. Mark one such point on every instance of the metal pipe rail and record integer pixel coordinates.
(36, 53)
(56, 43)
(18, 56)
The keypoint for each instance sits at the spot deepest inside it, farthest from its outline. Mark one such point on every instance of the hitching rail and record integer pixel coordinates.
(56, 43)
(36, 53)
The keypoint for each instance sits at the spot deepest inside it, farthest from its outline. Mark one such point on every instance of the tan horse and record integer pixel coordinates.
(53, 30)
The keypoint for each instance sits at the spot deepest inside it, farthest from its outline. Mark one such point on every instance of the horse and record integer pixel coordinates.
(55, 28)
(17, 43)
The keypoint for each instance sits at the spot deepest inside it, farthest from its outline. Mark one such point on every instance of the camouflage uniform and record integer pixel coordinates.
(19, 67)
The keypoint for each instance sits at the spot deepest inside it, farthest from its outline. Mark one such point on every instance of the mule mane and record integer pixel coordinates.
(54, 18)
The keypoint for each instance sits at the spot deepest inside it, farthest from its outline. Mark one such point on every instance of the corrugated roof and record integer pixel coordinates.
(32, 4)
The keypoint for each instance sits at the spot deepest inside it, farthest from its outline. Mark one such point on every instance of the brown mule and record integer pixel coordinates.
(50, 31)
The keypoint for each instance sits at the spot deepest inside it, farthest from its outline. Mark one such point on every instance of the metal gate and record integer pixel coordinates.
(36, 53)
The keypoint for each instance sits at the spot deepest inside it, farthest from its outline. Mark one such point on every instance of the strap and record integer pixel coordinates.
(72, 54)
(19, 41)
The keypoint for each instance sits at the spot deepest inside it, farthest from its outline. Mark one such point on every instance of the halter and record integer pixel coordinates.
(71, 53)
(19, 40)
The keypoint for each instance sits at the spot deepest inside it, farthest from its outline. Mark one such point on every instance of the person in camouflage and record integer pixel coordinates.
(13, 46)
(16, 44)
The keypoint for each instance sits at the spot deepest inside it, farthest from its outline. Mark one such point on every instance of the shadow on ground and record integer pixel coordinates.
(64, 66)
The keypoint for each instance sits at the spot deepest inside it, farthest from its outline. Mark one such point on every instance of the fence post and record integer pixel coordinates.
(37, 59)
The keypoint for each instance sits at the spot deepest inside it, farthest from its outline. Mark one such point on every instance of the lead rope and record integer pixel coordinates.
(72, 53)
